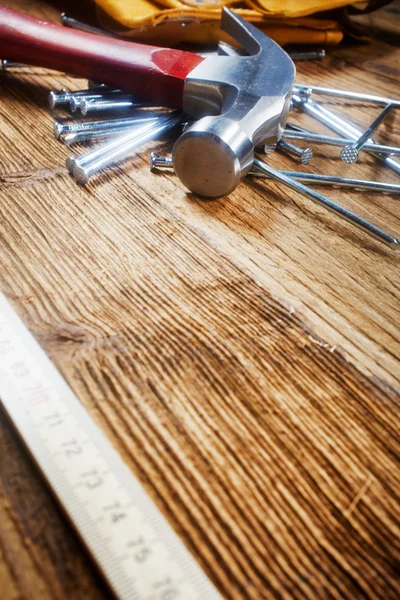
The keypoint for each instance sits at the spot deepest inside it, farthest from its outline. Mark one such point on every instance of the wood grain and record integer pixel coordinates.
(241, 354)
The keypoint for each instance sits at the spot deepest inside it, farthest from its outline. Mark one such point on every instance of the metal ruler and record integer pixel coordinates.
(137, 551)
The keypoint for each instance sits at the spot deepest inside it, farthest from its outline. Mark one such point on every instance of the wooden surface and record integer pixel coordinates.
(242, 355)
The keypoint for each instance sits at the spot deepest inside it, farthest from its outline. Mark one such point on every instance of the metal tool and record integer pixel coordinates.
(312, 89)
(165, 163)
(136, 550)
(305, 154)
(367, 227)
(309, 136)
(86, 166)
(350, 152)
(340, 126)
(214, 153)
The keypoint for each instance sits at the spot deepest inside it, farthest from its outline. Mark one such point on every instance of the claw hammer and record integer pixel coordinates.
(239, 101)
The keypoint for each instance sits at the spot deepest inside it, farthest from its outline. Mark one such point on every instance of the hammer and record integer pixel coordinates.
(239, 101)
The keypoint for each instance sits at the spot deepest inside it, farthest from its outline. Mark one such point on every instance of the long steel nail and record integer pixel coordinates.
(335, 141)
(349, 153)
(94, 106)
(119, 149)
(140, 116)
(100, 134)
(332, 206)
(10, 64)
(74, 24)
(165, 163)
(305, 154)
(340, 126)
(64, 96)
(318, 55)
(299, 88)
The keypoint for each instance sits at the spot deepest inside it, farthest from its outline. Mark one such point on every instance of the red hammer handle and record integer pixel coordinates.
(156, 74)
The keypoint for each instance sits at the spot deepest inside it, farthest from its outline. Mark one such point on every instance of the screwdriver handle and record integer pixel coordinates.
(154, 74)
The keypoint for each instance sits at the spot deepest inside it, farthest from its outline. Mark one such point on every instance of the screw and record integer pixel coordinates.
(349, 153)
(336, 208)
(305, 155)
(109, 153)
(161, 162)
(310, 89)
(340, 126)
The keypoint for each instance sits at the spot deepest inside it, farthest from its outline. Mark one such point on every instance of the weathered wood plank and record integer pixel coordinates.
(241, 354)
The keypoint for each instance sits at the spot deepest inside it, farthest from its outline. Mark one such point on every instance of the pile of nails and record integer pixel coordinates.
(122, 125)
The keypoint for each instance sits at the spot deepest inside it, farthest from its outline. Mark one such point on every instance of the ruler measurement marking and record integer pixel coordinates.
(135, 547)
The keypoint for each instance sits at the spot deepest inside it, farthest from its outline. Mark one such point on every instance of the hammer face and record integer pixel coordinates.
(212, 156)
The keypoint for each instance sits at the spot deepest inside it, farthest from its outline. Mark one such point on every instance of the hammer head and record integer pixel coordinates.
(241, 102)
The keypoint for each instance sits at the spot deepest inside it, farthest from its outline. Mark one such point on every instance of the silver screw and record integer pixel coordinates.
(161, 162)
(311, 89)
(336, 208)
(305, 154)
(113, 151)
(334, 141)
(349, 153)
(63, 128)
(340, 126)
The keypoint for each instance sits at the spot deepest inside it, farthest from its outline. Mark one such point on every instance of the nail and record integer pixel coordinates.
(140, 116)
(92, 162)
(100, 134)
(10, 64)
(93, 106)
(311, 89)
(349, 153)
(319, 55)
(64, 96)
(161, 162)
(335, 141)
(340, 126)
(332, 206)
(305, 154)
(75, 24)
